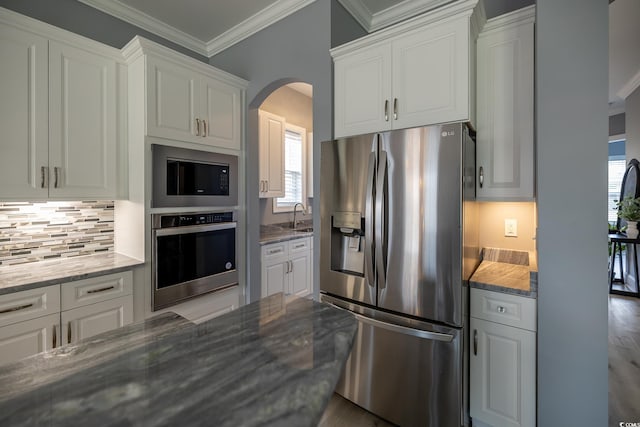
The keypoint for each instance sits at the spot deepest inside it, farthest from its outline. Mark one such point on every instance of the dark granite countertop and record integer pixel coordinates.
(20, 277)
(275, 362)
(507, 271)
(282, 232)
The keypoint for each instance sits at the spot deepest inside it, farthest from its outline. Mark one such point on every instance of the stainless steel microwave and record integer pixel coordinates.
(190, 178)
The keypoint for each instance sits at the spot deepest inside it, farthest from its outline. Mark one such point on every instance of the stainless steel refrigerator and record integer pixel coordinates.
(399, 241)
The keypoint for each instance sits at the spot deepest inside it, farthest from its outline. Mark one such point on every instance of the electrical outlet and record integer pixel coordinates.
(511, 227)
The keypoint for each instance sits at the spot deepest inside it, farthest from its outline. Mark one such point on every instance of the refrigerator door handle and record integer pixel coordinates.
(381, 266)
(419, 333)
(368, 226)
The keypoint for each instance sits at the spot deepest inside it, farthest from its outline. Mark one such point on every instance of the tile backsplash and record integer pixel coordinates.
(31, 232)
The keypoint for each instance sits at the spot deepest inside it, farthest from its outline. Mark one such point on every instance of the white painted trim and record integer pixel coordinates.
(140, 19)
(267, 16)
(517, 17)
(271, 14)
(359, 11)
(25, 23)
(453, 10)
(140, 46)
(618, 137)
(401, 11)
(630, 86)
(618, 109)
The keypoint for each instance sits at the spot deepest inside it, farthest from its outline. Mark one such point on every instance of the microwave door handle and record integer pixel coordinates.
(190, 229)
(369, 220)
(380, 231)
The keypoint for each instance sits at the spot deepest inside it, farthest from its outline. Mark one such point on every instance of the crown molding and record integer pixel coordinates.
(273, 13)
(630, 86)
(526, 15)
(402, 11)
(360, 13)
(270, 15)
(140, 19)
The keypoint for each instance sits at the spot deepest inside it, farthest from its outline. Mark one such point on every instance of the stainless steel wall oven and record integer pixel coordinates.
(193, 253)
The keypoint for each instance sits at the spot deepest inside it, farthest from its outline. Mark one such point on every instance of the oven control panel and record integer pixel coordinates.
(184, 220)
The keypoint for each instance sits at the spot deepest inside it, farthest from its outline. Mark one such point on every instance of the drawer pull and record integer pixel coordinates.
(501, 309)
(17, 308)
(95, 291)
(301, 245)
(69, 333)
(275, 251)
(55, 340)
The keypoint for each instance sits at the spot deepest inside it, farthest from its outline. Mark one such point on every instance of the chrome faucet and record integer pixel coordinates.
(304, 210)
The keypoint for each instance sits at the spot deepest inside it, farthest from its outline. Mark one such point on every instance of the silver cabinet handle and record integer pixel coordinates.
(16, 308)
(205, 131)
(481, 176)
(386, 110)
(475, 342)
(95, 291)
(274, 251)
(69, 333)
(44, 172)
(55, 174)
(291, 269)
(197, 126)
(286, 270)
(368, 225)
(501, 309)
(55, 338)
(267, 182)
(395, 108)
(300, 245)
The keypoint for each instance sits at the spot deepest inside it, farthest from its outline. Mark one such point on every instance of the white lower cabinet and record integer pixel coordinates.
(29, 337)
(503, 360)
(286, 267)
(40, 319)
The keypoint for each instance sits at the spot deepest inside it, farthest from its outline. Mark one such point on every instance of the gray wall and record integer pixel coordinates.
(572, 80)
(617, 124)
(81, 19)
(295, 48)
(344, 27)
(632, 124)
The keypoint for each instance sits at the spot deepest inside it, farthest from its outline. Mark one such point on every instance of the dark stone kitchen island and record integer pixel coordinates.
(273, 362)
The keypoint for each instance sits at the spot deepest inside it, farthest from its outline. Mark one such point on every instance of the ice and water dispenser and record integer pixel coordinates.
(347, 243)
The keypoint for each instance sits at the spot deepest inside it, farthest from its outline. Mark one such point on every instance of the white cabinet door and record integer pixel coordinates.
(172, 102)
(274, 278)
(431, 75)
(271, 146)
(362, 91)
(93, 319)
(299, 283)
(29, 337)
(82, 123)
(505, 153)
(23, 115)
(221, 113)
(502, 374)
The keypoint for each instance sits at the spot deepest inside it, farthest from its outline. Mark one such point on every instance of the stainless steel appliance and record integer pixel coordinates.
(398, 244)
(188, 178)
(193, 253)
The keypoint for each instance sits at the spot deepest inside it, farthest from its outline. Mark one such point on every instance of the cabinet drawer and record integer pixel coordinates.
(510, 310)
(299, 245)
(102, 288)
(26, 305)
(275, 251)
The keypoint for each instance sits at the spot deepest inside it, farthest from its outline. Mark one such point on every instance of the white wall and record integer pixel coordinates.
(572, 127)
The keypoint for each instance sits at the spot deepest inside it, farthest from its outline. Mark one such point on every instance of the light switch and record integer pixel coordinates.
(511, 227)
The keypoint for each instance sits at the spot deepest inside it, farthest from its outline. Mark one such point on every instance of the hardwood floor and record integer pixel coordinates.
(624, 360)
(343, 413)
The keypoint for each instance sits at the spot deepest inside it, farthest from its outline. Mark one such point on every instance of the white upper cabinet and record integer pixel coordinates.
(188, 100)
(82, 123)
(23, 114)
(415, 73)
(271, 146)
(504, 140)
(60, 100)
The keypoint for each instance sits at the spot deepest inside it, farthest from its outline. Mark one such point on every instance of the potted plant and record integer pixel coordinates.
(629, 210)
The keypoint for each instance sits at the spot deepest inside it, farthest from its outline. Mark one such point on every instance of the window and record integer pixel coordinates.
(294, 169)
(617, 167)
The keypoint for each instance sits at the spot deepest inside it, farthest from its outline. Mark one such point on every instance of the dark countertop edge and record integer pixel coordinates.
(63, 278)
(290, 235)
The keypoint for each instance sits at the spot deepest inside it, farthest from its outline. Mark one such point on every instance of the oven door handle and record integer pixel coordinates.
(189, 229)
